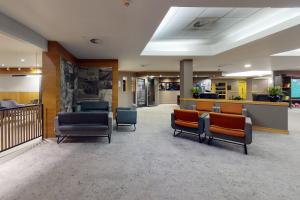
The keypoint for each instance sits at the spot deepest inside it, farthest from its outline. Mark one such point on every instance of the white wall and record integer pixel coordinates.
(19, 84)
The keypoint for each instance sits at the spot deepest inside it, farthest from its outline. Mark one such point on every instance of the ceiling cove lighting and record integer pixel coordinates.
(295, 52)
(247, 65)
(248, 74)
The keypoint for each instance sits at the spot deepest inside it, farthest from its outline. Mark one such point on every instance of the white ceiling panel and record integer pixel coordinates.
(215, 12)
(241, 12)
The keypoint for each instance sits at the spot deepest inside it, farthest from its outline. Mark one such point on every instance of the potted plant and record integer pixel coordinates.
(237, 98)
(275, 93)
(196, 91)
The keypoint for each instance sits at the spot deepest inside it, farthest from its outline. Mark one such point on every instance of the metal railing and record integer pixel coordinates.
(20, 125)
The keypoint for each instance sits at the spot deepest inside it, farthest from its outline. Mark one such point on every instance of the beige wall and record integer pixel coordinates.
(168, 97)
(126, 98)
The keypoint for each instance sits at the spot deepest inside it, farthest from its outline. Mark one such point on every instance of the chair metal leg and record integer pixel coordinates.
(134, 127)
(109, 138)
(174, 134)
(60, 140)
(200, 140)
(245, 149)
(209, 140)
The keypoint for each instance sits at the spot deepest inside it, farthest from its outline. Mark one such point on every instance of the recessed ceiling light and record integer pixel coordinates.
(22, 60)
(95, 41)
(247, 65)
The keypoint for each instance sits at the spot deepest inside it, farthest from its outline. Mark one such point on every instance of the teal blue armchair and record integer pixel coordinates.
(126, 117)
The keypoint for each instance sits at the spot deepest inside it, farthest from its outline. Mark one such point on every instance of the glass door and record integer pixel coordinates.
(141, 92)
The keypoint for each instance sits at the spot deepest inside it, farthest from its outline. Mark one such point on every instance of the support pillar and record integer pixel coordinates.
(186, 81)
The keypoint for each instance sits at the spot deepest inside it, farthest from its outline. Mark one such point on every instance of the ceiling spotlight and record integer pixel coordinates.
(247, 65)
(22, 60)
(126, 3)
(95, 41)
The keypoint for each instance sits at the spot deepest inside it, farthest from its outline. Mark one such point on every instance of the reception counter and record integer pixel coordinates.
(266, 116)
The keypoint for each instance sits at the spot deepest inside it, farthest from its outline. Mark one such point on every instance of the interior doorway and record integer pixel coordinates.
(242, 89)
(151, 92)
(141, 92)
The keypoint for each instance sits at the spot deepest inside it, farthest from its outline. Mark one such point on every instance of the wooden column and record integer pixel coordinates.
(51, 83)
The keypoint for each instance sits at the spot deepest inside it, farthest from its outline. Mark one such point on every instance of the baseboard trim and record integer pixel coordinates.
(270, 130)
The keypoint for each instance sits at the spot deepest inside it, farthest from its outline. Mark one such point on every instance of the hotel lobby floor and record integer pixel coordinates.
(152, 164)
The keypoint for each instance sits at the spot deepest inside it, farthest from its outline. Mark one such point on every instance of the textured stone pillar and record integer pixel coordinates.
(186, 81)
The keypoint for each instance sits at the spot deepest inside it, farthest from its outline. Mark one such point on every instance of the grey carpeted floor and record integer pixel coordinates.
(152, 164)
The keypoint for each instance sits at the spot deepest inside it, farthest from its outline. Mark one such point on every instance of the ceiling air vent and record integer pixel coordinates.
(203, 23)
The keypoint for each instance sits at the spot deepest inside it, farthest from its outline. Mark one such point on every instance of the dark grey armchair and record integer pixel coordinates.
(97, 124)
(126, 116)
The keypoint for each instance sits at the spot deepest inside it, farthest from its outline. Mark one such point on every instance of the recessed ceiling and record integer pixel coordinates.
(295, 52)
(125, 31)
(17, 53)
(201, 31)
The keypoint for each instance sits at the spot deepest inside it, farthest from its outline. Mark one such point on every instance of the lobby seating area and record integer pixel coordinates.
(149, 100)
(228, 122)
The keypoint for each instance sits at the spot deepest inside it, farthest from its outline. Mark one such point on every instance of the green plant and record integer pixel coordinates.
(196, 90)
(275, 91)
(237, 98)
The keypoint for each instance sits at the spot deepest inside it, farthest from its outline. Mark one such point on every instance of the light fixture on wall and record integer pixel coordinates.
(247, 65)
(3, 65)
(22, 60)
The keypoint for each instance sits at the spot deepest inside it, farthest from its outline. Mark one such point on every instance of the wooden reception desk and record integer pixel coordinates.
(266, 116)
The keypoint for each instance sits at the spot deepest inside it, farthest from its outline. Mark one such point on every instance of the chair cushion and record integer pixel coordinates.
(227, 131)
(186, 115)
(205, 106)
(186, 123)
(232, 108)
(83, 127)
(229, 121)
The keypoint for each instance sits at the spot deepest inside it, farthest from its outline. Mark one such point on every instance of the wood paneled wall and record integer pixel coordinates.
(51, 80)
(113, 63)
(51, 83)
(20, 97)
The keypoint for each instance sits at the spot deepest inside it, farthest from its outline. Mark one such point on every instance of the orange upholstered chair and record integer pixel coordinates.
(233, 108)
(229, 127)
(204, 106)
(187, 121)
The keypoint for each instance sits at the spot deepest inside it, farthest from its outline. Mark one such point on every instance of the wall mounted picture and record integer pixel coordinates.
(94, 83)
